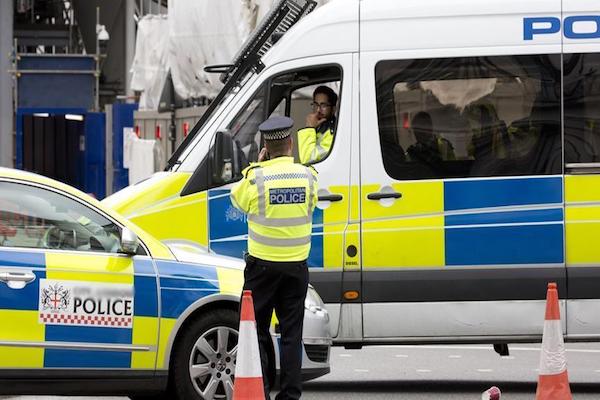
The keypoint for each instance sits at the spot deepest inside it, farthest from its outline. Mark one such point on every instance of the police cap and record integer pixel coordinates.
(276, 128)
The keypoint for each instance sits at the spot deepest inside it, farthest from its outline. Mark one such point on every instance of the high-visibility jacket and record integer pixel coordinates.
(315, 144)
(279, 197)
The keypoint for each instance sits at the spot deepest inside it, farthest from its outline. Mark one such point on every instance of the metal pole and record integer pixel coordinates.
(6, 83)
(129, 44)
(97, 95)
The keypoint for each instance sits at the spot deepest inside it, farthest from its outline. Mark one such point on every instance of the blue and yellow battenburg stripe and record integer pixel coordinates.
(180, 286)
(466, 223)
(437, 223)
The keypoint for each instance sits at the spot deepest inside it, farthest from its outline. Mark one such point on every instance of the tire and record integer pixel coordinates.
(204, 357)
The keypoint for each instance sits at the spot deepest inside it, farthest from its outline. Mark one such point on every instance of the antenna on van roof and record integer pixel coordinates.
(281, 17)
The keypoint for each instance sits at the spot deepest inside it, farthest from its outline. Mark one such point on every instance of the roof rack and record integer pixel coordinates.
(284, 15)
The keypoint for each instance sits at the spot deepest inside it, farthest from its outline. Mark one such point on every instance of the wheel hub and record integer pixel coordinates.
(221, 365)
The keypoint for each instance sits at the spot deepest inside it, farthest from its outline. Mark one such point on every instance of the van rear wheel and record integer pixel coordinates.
(205, 356)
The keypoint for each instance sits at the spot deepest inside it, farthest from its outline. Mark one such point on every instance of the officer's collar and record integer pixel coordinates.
(277, 160)
(327, 125)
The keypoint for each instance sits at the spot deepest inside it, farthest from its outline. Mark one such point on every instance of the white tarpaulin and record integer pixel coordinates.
(151, 63)
(203, 33)
(145, 158)
(198, 33)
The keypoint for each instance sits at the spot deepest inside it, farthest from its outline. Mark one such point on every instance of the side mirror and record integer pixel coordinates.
(222, 158)
(129, 242)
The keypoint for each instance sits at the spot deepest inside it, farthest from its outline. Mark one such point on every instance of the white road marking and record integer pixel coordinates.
(435, 347)
(425, 371)
(507, 357)
(597, 370)
(454, 356)
(346, 355)
(484, 370)
(361, 370)
(401, 356)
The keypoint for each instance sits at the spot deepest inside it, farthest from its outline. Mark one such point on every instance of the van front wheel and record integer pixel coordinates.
(205, 356)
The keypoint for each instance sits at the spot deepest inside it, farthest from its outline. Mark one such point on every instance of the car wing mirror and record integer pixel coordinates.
(129, 242)
(222, 158)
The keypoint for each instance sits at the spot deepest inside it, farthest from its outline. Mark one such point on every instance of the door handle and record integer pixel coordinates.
(382, 195)
(331, 197)
(17, 279)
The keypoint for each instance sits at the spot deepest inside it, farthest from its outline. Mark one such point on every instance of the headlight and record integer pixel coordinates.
(313, 302)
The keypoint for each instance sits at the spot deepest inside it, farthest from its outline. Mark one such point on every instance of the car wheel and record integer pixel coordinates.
(204, 357)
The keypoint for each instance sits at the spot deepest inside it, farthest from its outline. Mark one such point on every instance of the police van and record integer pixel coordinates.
(463, 177)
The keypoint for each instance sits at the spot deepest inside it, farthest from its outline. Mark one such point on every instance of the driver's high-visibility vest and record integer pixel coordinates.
(279, 197)
(313, 146)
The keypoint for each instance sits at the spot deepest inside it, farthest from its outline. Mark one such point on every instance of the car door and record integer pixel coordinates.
(68, 298)
(462, 202)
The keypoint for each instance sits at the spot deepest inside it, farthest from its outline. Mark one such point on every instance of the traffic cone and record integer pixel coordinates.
(248, 384)
(492, 393)
(553, 382)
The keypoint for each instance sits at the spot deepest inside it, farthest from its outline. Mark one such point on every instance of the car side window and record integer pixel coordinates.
(32, 217)
(472, 116)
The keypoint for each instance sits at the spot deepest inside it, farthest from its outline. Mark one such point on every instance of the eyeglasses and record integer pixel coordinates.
(322, 106)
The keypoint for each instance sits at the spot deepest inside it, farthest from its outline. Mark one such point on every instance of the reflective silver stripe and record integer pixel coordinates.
(311, 191)
(78, 346)
(280, 222)
(260, 185)
(267, 241)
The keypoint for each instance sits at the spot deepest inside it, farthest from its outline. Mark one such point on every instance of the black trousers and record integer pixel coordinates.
(279, 286)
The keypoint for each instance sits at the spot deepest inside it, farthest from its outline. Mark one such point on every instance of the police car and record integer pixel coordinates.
(92, 304)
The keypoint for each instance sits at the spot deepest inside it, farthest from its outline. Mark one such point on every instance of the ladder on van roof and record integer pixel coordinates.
(281, 17)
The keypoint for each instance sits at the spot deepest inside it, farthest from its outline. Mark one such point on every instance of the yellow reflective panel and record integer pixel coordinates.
(22, 326)
(337, 211)
(145, 333)
(335, 219)
(418, 198)
(89, 267)
(231, 280)
(333, 245)
(166, 328)
(582, 219)
(179, 218)
(157, 189)
(417, 242)
(582, 188)
(406, 232)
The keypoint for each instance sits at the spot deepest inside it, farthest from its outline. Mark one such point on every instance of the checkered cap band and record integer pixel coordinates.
(277, 134)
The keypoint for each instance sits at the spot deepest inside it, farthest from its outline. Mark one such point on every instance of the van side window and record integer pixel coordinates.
(289, 94)
(582, 107)
(473, 116)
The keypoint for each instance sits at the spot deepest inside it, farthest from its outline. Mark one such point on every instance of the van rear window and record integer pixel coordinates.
(471, 116)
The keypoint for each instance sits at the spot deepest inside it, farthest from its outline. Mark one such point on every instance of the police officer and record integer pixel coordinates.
(279, 197)
(314, 141)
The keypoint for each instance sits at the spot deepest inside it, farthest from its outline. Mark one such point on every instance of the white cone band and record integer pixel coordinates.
(247, 364)
(553, 360)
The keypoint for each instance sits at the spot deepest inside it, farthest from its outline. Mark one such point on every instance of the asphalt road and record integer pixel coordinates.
(441, 372)
(448, 372)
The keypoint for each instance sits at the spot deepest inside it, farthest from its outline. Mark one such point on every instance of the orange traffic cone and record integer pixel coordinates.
(553, 382)
(248, 383)
(492, 393)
